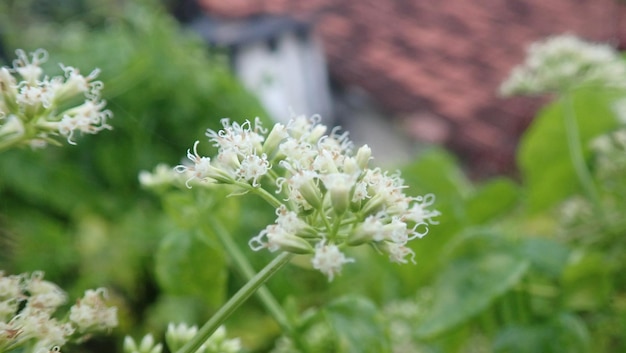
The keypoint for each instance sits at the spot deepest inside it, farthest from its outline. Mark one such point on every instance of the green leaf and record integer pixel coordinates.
(587, 281)
(467, 287)
(435, 171)
(563, 333)
(545, 255)
(356, 325)
(491, 200)
(543, 156)
(187, 265)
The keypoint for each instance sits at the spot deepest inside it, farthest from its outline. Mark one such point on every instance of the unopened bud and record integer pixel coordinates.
(292, 244)
(363, 156)
(275, 137)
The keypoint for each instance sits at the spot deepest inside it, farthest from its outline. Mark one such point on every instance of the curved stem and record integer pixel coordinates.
(576, 152)
(235, 302)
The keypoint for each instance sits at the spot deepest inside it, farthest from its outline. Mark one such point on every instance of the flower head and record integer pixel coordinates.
(27, 306)
(565, 62)
(36, 109)
(327, 198)
(328, 259)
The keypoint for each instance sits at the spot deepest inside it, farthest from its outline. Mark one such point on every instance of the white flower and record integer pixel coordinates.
(327, 197)
(10, 287)
(253, 167)
(88, 118)
(147, 345)
(30, 71)
(76, 83)
(35, 101)
(162, 175)
(219, 343)
(565, 62)
(278, 238)
(328, 259)
(243, 139)
(178, 335)
(398, 252)
(91, 313)
(201, 168)
(44, 295)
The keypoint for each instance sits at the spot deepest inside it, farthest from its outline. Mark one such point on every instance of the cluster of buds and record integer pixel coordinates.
(610, 155)
(327, 198)
(36, 110)
(27, 306)
(562, 63)
(178, 335)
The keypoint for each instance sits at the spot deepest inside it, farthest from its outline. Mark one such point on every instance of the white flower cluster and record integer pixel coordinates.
(327, 197)
(564, 62)
(27, 305)
(610, 155)
(35, 109)
(178, 335)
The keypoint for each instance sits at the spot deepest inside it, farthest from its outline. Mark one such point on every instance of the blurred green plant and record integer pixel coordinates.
(80, 214)
(528, 267)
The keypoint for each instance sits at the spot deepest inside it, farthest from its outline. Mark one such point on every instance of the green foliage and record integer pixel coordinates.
(506, 270)
(544, 157)
(468, 287)
(78, 212)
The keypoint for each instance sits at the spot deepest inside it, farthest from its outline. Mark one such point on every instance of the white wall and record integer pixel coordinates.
(290, 77)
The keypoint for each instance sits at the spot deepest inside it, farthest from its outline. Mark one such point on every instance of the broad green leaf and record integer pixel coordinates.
(586, 281)
(435, 171)
(491, 200)
(544, 157)
(547, 256)
(562, 333)
(187, 265)
(469, 286)
(356, 325)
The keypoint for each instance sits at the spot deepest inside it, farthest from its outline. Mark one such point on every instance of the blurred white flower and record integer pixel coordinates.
(564, 62)
(35, 109)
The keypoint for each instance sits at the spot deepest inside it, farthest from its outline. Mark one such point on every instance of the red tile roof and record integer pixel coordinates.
(442, 57)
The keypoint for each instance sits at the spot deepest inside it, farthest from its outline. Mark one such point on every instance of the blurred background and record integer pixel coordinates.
(416, 80)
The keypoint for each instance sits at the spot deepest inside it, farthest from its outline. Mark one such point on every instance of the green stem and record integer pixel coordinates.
(576, 151)
(235, 302)
(264, 194)
(246, 270)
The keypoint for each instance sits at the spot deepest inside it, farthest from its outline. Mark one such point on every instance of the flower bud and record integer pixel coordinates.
(178, 335)
(311, 193)
(275, 137)
(8, 90)
(292, 243)
(363, 156)
(12, 127)
(369, 230)
(339, 186)
(373, 205)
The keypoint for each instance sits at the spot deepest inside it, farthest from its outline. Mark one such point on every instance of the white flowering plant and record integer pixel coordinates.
(326, 198)
(515, 265)
(27, 314)
(36, 109)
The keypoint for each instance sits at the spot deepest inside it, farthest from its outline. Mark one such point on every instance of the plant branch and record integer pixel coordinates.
(235, 302)
(576, 151)
(245, 269)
